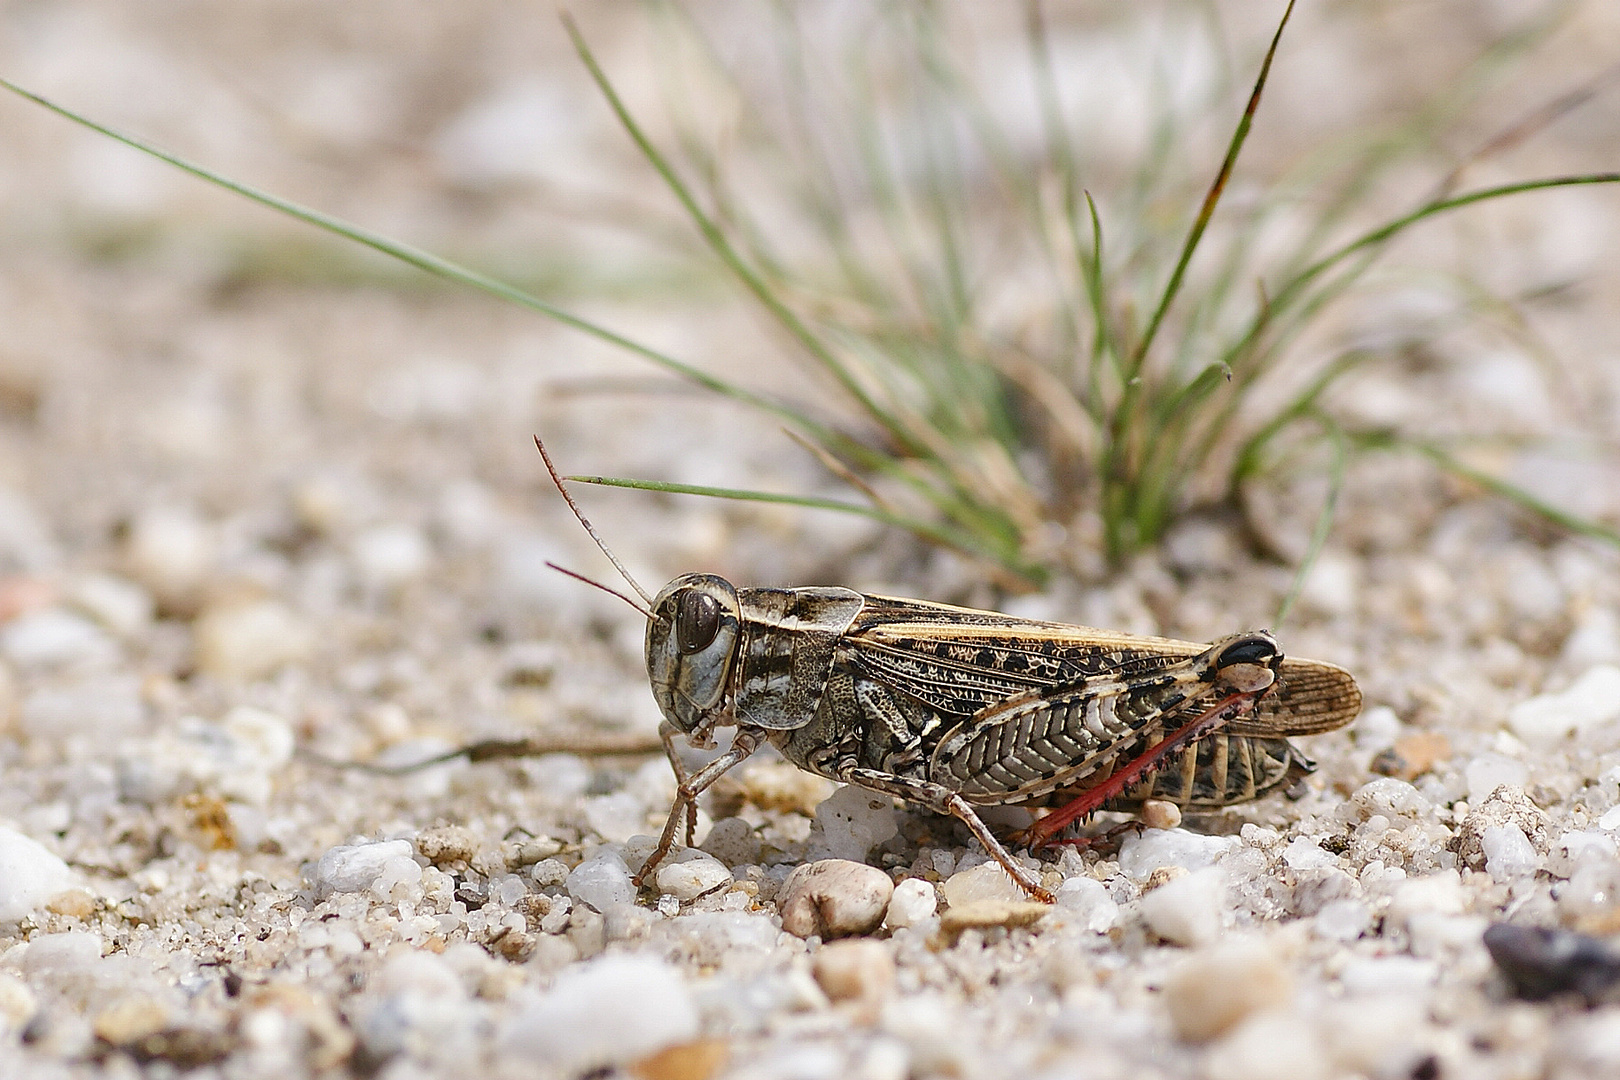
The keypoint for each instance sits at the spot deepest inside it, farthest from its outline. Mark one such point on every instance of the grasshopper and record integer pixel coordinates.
(953, 708)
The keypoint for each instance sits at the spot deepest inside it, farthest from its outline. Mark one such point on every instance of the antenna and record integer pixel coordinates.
(645, 611)
(614, 559)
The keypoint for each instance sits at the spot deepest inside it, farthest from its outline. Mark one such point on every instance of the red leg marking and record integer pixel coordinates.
(1041, 833)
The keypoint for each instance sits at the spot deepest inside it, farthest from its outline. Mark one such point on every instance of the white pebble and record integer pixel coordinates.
(853, 821)
(1439, 893)
(602, 881)
(616, 817)
(172, 553)
(17, 1004)
(51, 638)
(1217, 988)
(1142, 854)
(1385, 975)
(1391, 798)
(262, 740)
(248, 641)
(606, 1012)
(1376, 727)
(987, 882)
(353, 868)
(390, 556)
(692, 877)
(1271, 1046)
(1088, 899)
(1343, 920)
(834, 898)
(1592, 700)
(1374, 1036)
(1187, 910)
(118, 604)
(912, 904)
(1305, 854)
(1508, 853)
(733, 841)
(30, 875)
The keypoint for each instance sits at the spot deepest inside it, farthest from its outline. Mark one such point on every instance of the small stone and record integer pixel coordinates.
(985, 914)
(616, 817)
(860, 971)
(779, 785)
(1158, 814)
(30, 875)
(1390, 797)
(116, 603)
(853, 821)
(985, 882)
(1374, 1037)
(602, 881)
(446, 845)
(17, 1003)
(1088, 899)
(1508, 853)
(834, 898)
(247, 641)
(733, 841)
(1218, 987)
(689, 878)
(1306, 854)
(1504, 806)
(1269, 1046)
(1412, 755)
(579, 1025)
(1141, 854)
(388, 557)
(72, 903)
(548, 872)
(697, 1060)
(1540, 963)
(1187, 910)
(261, 741)
(355, 868)
(913, 903)
(1592, 700)
(172, 553)
(132, 1019)
(53, 638)
(1343, 920)
(1440, 893)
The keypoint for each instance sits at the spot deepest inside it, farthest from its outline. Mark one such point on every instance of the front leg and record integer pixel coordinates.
(942, 800)
(746, 741)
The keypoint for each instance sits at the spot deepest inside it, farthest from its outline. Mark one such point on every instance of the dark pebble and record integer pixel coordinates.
(1541, 963)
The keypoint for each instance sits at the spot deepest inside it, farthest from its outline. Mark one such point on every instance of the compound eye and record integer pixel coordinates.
(697, 621)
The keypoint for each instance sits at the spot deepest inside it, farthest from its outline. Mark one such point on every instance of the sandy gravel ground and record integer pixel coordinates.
(264, 501)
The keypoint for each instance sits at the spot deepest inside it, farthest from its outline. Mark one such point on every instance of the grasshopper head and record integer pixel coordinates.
(691, 647)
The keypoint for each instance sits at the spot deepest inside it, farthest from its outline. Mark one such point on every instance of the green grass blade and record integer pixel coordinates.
(961, 541)
(1213, 196)
(422, 260)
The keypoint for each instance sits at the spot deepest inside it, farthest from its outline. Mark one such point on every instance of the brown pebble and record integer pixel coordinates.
(1217, 987)
(688, 1061)
(445, 845)
(1412, 755)
(860, 971)
(1158, 814)
(834, 898)
(984, 914)
(74, 903)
